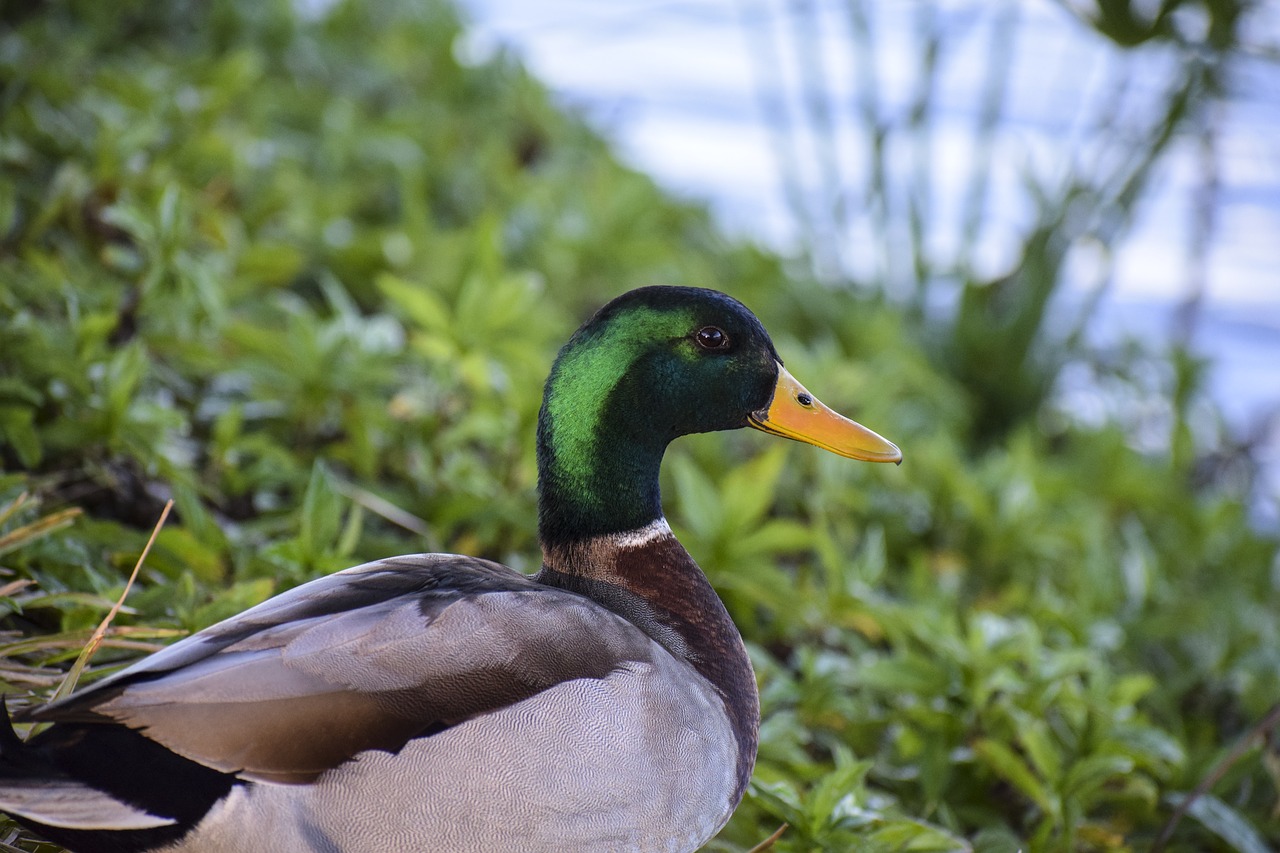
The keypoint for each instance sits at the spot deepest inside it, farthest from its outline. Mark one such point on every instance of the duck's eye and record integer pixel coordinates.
(709, 337)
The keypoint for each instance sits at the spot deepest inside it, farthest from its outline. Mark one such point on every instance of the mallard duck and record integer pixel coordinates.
(442, 702)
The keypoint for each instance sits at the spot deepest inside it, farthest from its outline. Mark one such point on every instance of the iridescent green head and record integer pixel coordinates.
(654, 364)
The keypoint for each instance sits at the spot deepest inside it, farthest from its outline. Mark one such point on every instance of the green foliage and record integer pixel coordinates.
(305, 276)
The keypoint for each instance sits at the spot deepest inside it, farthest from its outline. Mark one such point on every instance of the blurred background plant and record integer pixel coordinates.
(983, 167)
(302, 270)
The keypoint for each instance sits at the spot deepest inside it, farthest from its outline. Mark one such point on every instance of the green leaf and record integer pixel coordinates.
(847, 781)
(775, 536)
(178, 549)
(422, 306)
(1038, 742)
(271, 263)
(1006, 764)
(1087, 776)
(321, 517)
(911, 674)
(17, 426)
(1227, 823)
(699, 499)
(778, 799)
(750, 489)
(916, 837)
(1148, 745)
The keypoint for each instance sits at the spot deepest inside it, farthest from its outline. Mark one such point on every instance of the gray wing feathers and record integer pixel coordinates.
(72, 805)
(369, 677)
(344, 592)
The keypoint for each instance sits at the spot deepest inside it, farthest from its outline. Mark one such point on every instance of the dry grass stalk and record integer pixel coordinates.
(73, 675)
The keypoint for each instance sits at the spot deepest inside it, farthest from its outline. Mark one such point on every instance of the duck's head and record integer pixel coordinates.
(654, 364)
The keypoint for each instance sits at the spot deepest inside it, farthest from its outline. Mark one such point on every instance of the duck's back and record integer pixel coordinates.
(424, 703)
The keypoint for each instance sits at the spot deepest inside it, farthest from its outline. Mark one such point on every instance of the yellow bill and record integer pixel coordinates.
(795, 413)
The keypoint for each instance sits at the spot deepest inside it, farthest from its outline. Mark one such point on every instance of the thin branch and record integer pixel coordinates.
(1260, 729)
(771, 840)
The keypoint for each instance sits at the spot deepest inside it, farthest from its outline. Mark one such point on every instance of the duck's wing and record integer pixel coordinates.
(364, 659)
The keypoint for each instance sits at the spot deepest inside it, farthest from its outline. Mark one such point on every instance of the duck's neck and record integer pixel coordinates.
(648, 578)
(598, 454)
(590, 487)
